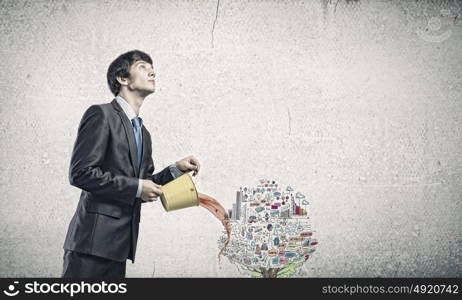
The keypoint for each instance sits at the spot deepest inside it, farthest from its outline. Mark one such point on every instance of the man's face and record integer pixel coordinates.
(142, 78)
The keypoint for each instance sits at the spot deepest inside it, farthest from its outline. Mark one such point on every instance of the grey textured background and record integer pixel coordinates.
(353, 103)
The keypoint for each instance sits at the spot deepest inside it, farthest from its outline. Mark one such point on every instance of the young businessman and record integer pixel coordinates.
(112, 164)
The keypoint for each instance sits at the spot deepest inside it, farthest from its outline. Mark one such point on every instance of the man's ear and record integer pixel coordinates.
(122, 80)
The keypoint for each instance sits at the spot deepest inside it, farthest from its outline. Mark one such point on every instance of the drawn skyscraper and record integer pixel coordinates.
(238, 205)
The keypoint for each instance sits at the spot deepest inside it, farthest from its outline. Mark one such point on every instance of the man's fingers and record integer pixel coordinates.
(194, 162)
(195, 165)
(189, 163)
(192, 167)
(152, 198)
(151, 191)
(155, 193)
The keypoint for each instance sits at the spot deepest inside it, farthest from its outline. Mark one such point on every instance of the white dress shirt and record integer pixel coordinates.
(130, 113)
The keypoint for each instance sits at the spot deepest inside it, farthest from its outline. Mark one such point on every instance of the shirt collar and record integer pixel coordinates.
(128, 110)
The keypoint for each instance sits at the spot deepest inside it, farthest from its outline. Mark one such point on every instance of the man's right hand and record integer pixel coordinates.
(150, 191)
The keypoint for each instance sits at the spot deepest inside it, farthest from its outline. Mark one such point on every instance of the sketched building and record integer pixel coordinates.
(238, 205)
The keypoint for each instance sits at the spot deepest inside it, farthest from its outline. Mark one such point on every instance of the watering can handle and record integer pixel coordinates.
(194, 178)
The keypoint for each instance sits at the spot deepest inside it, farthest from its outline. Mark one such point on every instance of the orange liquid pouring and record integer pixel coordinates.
(219, 212)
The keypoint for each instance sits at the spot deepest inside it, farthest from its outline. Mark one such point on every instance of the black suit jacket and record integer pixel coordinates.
(106, 221)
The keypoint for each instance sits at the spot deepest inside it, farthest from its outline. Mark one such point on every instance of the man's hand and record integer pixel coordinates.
(188, 164)
(150, 191)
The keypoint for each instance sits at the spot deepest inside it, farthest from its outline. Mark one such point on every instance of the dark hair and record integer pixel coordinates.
(120, 66)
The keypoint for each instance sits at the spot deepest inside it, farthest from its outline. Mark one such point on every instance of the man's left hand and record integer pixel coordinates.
(189, 164)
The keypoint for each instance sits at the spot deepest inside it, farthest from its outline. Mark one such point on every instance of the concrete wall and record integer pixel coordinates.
(354, 103)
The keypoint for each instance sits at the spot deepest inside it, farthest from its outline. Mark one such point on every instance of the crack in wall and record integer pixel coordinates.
(214, 21)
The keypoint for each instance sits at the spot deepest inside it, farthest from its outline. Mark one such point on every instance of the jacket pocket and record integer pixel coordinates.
(104, 209)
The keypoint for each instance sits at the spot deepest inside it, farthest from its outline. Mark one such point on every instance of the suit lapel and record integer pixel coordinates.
(129, 134)
(145, 150)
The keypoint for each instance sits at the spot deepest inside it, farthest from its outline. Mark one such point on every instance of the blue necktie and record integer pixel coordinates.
(137, 123)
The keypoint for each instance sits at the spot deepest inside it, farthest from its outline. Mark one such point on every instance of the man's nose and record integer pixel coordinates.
(152, 74)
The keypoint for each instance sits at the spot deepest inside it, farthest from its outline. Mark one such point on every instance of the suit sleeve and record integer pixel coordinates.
(88, 156)
(175, 171)
(163, 177)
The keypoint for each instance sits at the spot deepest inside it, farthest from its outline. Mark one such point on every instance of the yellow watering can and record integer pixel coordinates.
(179, 193)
